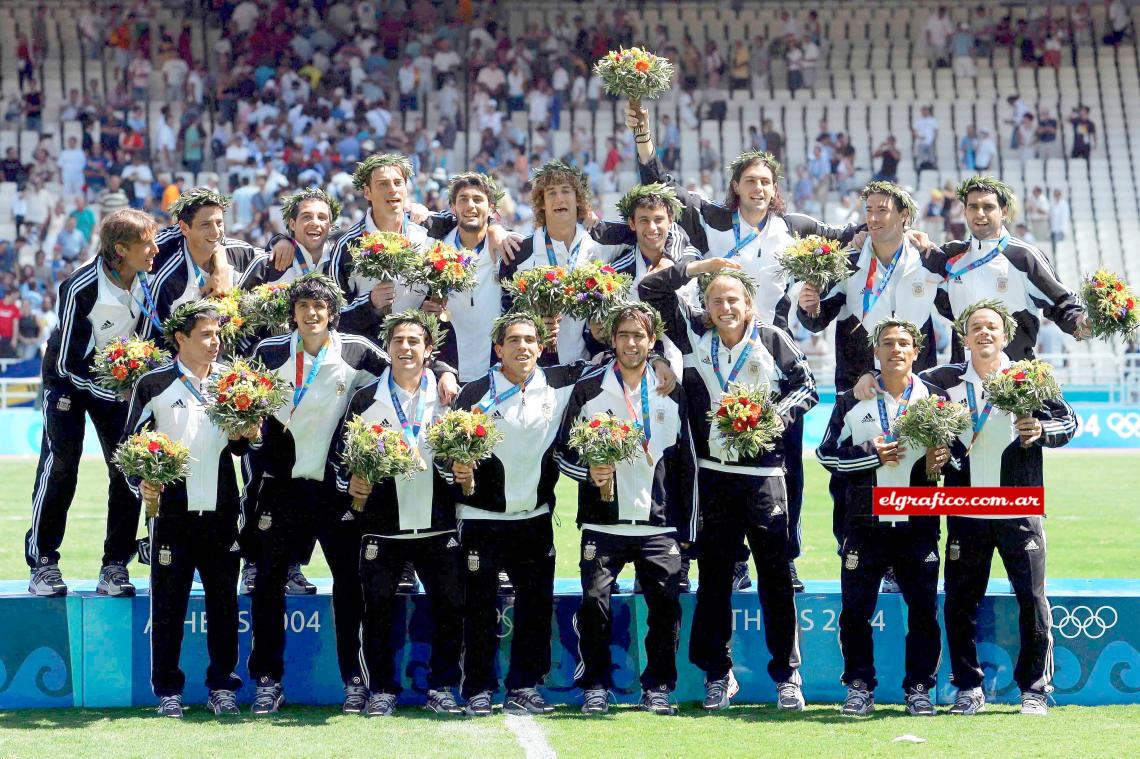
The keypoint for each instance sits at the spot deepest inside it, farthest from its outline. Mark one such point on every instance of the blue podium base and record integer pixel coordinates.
(89, 650)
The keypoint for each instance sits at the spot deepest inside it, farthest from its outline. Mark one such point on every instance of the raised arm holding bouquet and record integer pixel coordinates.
(634, 73)
(1111, 305)
(443, 269)
(266, 307)
(817, 261)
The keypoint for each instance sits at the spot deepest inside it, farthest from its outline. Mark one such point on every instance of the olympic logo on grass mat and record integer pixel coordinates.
(1083, 620)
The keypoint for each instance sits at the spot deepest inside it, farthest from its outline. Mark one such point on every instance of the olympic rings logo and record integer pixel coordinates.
(1124, 425)
(1082, 619)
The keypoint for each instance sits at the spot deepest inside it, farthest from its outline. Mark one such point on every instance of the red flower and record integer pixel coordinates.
(242, 402)
(722, 412)
(377, 429)
(1005, 371)
(1130, 304)
(591, 283)
(825, 248)
(119, 372)
(116, 354)
(265, 382)
(154, 446)
(1098, 284)
(551, 276)
(594, 423)
(642, 66)
(1119, 286)
(480, 431)
(133, 364)
(522, 286)
(941, 404)
(739, 425)
(439, 265)
(609, 270)
(222, 397)
(1019, 377)
(625, 428)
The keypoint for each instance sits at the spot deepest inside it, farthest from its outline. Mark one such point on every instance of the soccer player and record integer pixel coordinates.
(1003, 452)
(196, 526)
(106, 298)
(406, 521)
(648, 523)
(506, 521)
(859, 448)
(298, 496)
(739, 497)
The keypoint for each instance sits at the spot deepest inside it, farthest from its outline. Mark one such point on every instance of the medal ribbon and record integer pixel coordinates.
(418, 422)
(572, 255)
(299, 389)
(147, 304)
(497, 399)
(870, 292)
(193, 390)
(753, 233)
(883, 423)
(300, 258)
(740, 360)
(644, 425)
(979, 419)
(1002, 244)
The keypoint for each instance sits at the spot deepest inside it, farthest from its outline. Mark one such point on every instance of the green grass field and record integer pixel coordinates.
(1092, 530)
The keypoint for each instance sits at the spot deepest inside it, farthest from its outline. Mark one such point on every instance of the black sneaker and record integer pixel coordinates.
(296, 584)
(47, 581)
(686, 586)
(442, 701)
(479, 705)
(918, 703)
(789, 697)
(718, 693)
(860, 701)
(248, 578)
(969, 702)
(656, 700)
(380, 705)
(170, 706)
(797, 583)
(115, 581)
(355, 696)
(407, 585)
(890, 583)
(740, 578)
(595, 701)
(222, 702)
(526, 701)
(267, 697)
(506, 587)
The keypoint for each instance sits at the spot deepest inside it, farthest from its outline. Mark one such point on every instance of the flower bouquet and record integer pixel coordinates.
(592, 289)
(443, 269)
(373, 452)
(243, 394)
(384, 256)
(815, 260)
(634, 73)
(1111, 305)
(1022, 388)
(232, 325)
(119, 364)
(541, 291)
(746, 420)
(467, 437)
(931, 422)
(604, 439)
(155, 458)
(266, 307)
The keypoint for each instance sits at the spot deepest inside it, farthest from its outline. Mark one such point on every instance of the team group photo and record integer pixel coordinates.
(671, 378)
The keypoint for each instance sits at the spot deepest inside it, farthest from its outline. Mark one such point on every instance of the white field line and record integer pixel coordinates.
(531, 737)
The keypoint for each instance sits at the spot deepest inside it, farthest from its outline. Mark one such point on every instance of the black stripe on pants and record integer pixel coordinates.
(657, 562)
(179, 545)
(525, 549)
(289, 510)
(61, 448)
(913, 552)
(436, 559)
(969, 553)
(735, 507)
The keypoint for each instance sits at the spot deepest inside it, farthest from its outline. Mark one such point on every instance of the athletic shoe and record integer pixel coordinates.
(222, 702)
(506, 587)
(789, 697)
(718, 693)
(47, 581)
(267, 697)
(740, 578)
(1034, 703)
(656, 700)
(296, 584)
(380, 705)
(969, 702)
(918, 703)
(355, 696)
(797, 583)
(170, 706)
(686, 586)
(114, 581)
(595, 701)
(860, 701)
(407, 584)
(526, 701)
(890, 583)
(248, 578)
(479, 705)
(442, 702)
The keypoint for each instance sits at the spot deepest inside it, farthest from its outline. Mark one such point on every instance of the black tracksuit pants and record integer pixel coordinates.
(735, 507)
(289, 510)
(436, 559)
(970, 548)
(657, 562)
(524, 548)
(181, 543)
(302, 553)
(912, 549)
(65, 409)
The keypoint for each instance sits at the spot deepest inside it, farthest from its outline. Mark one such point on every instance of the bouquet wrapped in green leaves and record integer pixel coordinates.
(119, 364)
(384, 256)
(232, 326)
(931, 422)
(1111, 305)
(266, 307)
(154, 458)
(634, 73)
(592, 289)
(443, 269)
(816, 260)
(541, 291)
(605, 439)
(747, 421)
(243, 394)
(467, 437)
(1022, 388)
(373, 452)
